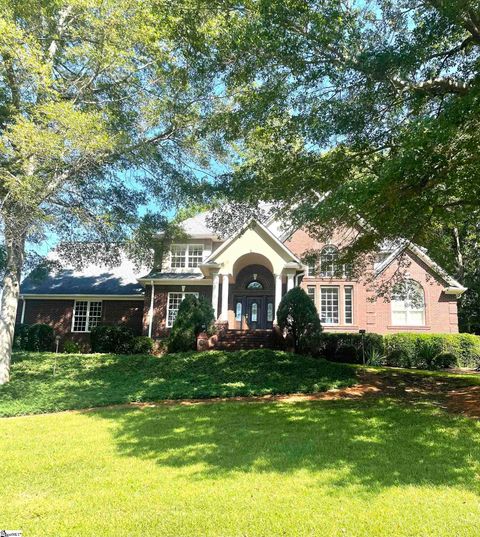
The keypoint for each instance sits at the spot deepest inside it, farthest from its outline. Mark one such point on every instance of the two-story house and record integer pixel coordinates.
(245, 277)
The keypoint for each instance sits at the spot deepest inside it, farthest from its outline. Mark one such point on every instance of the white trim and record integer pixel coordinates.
(337, 287)
(83, 297)
(187, 247)
(183, 293)
(87, 320)
(351, 305)
(408, 311)
(191, 281)
(416, 250)
(254, 221)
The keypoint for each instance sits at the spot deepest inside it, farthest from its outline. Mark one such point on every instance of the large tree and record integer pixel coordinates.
(100, 101)
(344, 109)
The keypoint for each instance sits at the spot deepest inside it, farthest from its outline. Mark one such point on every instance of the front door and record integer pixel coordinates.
(255, 312)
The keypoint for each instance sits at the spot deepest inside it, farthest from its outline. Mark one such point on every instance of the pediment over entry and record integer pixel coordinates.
(254, 243)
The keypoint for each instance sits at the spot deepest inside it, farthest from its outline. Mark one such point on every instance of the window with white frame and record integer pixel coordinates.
(348, 304)
(195, 255)
(408, 304)
(311, 292)
(178, 256)
(311, 269)
(329, 262)
(86, 315)
(173, 303)
(329, 310)
(186, 255)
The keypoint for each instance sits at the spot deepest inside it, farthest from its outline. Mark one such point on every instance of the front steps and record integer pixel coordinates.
(245, 339)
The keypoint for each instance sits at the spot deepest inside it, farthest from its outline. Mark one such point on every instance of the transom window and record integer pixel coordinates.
(174, 301)
(255, 285)
(86, 315)
(186, 255)
(329, 305)
(408, 304)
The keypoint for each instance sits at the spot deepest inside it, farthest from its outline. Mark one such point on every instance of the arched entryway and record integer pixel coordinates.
(254, 298)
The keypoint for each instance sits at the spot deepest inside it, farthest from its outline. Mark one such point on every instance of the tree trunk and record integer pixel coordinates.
(15, 248)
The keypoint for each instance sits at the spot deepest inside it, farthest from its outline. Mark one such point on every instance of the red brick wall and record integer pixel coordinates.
(159, 326)
(58, 314)
(374, 313)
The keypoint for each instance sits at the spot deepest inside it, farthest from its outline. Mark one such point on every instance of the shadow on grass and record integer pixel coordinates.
(374, 444)
(83, 381)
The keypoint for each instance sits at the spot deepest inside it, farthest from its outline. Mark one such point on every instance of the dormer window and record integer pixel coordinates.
(186, 255)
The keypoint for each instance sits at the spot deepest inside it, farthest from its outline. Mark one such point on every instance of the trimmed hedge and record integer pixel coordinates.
(405, 349)
(430, 351)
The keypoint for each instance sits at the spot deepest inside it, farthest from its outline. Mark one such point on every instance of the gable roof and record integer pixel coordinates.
(233, 238)
(455, 287)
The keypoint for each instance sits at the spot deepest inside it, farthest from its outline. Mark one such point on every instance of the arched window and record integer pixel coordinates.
(255, 285)
(329, 262)
(408, 304)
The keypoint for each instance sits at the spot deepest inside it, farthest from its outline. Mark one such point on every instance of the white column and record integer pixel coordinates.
(224, 316)
(278, 293)
(290, 281)
(150, 311)
(216, 284)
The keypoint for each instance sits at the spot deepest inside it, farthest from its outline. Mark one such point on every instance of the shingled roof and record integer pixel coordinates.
(92, 280)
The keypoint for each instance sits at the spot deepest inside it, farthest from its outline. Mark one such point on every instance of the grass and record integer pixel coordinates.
(83, 381)
(325, 468)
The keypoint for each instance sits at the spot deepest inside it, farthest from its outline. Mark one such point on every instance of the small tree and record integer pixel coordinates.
(195, 315)
(298, 316)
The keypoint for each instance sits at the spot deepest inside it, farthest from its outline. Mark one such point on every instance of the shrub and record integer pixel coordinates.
(346, 354)
(430, 351)
(444, 360)
(298, 317)
(112, 338)
(40, 337)
(195, 315)
(330, 343)
(20, 338)
(71, 347)
(142, 345)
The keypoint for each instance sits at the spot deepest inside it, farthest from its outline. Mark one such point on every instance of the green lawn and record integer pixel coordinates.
(323, 468)
(83, 381)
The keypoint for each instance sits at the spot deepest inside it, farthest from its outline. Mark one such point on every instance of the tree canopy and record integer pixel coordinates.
(344, 111)
(101, 104)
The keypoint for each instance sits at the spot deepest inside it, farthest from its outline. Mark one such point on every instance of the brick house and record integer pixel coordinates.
(245, 277)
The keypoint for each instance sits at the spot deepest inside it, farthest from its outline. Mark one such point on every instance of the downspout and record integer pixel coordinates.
(22, 318)
(150, 313)
(297, 277)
